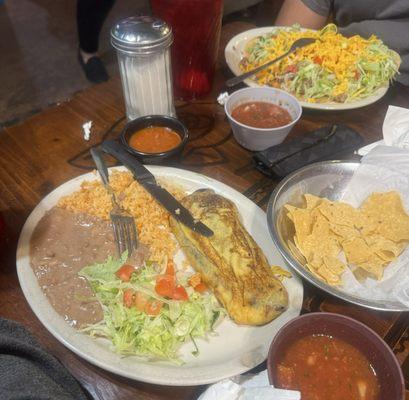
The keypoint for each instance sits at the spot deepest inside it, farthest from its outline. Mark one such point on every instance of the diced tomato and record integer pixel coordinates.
(291, 68)
(124, 273)
(196, 282)
(129, 298)
(165, 284)
(140, 301)
(317, 60)
(170, 268)
(285, 376)
(180, 293)
(153, 307)
(201, 288)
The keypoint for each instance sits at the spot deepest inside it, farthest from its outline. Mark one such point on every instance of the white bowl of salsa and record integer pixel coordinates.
(261, 117)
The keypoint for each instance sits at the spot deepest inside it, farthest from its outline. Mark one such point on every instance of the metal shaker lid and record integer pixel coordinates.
(141, 35)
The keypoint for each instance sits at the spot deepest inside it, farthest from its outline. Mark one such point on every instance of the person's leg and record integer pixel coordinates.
(28, 372)
(91, 15)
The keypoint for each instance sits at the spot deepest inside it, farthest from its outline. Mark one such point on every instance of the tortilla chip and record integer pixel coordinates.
(375, 266)
(384, 248)
(367, 238)
(323, 273)
(302, 220)
(334, 265)
(356, 250)
(368, 225)
(385, 213)
(344, 232)
(305, 252)
(360, 274)
(321, 241)
(311, 268)
(340, 213)
(361, 255)
(313, 201)
(328, 275)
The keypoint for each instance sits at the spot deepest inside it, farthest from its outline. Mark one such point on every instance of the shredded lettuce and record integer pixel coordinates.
(103, 272)
(133, 332)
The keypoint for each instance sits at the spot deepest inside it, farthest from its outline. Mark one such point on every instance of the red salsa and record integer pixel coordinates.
(323, 368)
(260, 114)
(154, 139)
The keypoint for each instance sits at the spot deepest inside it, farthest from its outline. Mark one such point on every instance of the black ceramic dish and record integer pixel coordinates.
(155, 120)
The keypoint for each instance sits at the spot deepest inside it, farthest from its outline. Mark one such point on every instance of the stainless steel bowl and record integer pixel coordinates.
(325, 179)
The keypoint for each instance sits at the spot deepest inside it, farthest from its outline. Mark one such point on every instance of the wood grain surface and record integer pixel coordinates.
(46, 150)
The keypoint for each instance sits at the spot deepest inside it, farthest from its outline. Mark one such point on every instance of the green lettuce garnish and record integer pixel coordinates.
(134, 332)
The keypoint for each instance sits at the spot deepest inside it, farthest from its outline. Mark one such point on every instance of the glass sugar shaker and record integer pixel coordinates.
(143, 50)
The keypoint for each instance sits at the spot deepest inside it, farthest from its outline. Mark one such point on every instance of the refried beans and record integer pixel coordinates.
(62, 244)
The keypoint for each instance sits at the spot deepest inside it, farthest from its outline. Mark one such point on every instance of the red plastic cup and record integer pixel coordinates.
(196, 26)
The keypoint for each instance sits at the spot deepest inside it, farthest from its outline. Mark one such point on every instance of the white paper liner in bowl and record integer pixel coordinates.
(384, 169)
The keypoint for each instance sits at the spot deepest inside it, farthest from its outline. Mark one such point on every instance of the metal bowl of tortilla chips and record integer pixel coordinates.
(320, 237)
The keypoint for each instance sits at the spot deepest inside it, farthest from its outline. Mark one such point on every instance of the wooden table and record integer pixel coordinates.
(46, 150)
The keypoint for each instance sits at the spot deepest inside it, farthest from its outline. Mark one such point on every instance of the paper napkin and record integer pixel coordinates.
(87, 130)
(395, 130)
(248, 387)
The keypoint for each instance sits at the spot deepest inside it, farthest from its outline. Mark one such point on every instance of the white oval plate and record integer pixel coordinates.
(234, 52)
(235, 350)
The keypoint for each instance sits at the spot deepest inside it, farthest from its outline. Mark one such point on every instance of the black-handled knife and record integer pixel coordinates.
(148, 181)
(100, 164)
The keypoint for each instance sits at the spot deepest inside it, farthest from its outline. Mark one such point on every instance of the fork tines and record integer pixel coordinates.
(125, 233)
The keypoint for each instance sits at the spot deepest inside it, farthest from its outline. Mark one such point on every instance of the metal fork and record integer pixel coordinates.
(296, 45)
(123, 224)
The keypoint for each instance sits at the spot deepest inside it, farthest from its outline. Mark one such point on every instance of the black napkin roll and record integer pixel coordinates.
(321, 144)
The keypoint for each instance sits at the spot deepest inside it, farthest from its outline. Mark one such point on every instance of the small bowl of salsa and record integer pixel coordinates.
(330, 356)
(155, 138)
(261, 117)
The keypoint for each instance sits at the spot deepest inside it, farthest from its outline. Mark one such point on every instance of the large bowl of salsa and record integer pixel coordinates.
(261, 117)
(330, 356)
